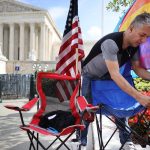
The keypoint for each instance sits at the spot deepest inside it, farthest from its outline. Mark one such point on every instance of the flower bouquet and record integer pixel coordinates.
(141, 125)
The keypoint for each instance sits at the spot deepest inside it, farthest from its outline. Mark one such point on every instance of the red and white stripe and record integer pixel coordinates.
(66, 63)
(70, 54)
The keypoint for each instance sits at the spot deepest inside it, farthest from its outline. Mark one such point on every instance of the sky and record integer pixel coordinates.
(95, 20)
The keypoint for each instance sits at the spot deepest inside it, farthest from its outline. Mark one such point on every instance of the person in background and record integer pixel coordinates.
(104, 61)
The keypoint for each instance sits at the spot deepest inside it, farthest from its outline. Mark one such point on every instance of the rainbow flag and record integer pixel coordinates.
(138, 7)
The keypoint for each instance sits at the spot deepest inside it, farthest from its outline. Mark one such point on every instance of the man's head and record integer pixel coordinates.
(139, 29)
(140, 20)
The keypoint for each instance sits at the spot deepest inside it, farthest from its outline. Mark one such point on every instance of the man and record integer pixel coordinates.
(106, 58)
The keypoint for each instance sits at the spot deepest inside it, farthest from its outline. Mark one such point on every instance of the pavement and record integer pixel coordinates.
(13, 138)
(107, 130)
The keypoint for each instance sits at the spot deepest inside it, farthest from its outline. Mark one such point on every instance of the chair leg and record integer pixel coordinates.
(37, 144)
(99, 131)
(36, 139)
(31, 140)
(100, 118)
(32, 136)
(63, 141)
(132, 131)
(31, 144)
(52, 143)
(111, 137)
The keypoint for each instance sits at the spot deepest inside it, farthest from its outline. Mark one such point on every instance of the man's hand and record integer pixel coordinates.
(144, 100)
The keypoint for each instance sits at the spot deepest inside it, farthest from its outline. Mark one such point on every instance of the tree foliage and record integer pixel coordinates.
(116, 5)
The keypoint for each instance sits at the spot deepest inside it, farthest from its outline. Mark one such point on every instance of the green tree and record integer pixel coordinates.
(116, 5)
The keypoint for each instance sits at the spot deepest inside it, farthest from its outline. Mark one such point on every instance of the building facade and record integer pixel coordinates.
(28, 37)
(27, 33)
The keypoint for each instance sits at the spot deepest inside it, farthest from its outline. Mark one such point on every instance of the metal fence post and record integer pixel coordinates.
(32, 87)
(0, 90)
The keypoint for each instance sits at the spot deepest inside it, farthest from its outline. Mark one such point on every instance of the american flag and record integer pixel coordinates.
(71, 50)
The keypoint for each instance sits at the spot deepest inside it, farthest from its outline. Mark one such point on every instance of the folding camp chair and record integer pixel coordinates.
(54, 90)
(112, 101)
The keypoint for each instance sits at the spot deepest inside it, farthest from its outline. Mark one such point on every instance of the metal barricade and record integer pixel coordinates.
(14, 86)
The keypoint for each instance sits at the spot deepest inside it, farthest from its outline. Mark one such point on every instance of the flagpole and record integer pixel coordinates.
(102, 17)
(77, 61)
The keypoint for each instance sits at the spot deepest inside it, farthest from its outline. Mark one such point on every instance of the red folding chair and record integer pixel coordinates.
(75, 103)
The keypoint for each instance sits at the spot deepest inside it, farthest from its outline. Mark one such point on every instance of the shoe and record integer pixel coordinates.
(75, 140)
(81, 147)
(83, 142)
(129, 146)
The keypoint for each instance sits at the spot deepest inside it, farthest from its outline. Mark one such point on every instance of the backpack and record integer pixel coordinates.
(57, 120)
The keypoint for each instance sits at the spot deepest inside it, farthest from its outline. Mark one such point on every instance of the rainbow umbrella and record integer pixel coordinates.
(138, 7)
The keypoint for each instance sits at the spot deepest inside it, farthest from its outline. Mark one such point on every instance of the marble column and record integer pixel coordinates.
(46, 44)
(37, 41)
(2, 62)
(21, 44)
(32, 54)
(48, 48)
(11, 42)
(50, 44)
(1, 39)
(42, 42)
(2, 57)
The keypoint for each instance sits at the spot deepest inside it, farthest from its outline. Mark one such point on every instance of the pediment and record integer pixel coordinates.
(16, 6)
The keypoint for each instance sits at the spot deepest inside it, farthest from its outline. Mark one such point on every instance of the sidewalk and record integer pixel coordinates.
(108, 128)
(13, 138)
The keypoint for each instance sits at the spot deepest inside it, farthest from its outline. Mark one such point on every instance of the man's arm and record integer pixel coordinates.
(113, 69)
(141, 72)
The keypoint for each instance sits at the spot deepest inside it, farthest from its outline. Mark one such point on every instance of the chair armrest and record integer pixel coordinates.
(25, 107)
(87, 110)
(84, 105)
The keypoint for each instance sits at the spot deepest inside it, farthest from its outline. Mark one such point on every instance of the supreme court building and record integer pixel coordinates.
(29, 38)
(27, 33)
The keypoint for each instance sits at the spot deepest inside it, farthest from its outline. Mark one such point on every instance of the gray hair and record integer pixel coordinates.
(140, 20)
